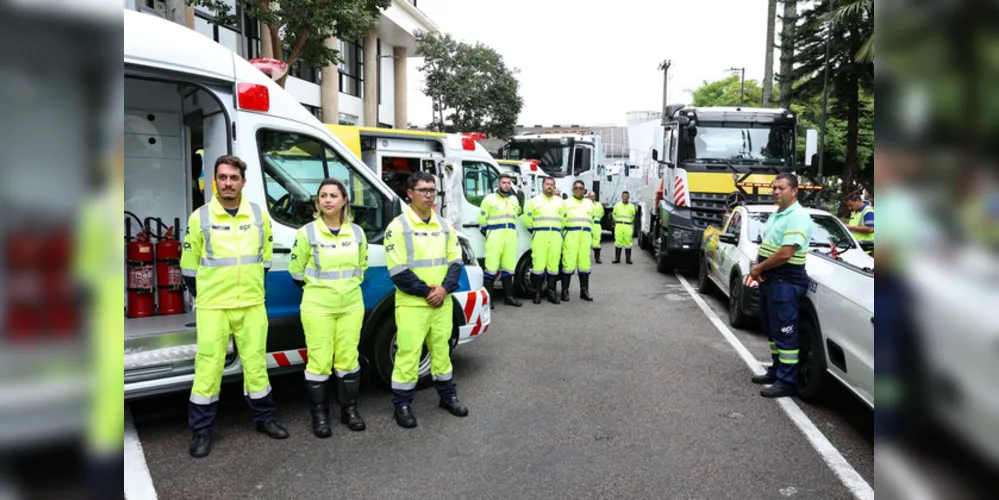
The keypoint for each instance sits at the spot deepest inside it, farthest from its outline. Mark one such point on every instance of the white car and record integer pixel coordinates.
(837, 315)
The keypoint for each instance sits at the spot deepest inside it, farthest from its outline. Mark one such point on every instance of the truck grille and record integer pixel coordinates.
(709, 208)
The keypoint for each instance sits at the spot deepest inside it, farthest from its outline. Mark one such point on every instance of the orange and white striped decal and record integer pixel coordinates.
(473, 314)
(285, 359)
(679, 192)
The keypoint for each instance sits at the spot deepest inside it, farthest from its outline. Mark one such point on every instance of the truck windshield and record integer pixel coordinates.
(553, 155)
(826, 230)
(769, 144)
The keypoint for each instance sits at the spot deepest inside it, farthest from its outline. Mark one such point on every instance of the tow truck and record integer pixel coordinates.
(836, 328)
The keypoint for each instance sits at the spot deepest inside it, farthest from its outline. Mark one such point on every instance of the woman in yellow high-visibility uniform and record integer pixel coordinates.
(328, 262)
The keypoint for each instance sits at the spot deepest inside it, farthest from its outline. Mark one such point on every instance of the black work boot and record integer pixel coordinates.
(584, 287)
(553, 289)
(263, 414)
(538, 283)
(404, 416)
(448, 392)
(508, 297)
(617, 256)
(627, 255)
(566, 279)
(319, 405)
(347, 388)
(596, 256)
(778, 390)
(488, 284)
(201, 445)
(767, 378)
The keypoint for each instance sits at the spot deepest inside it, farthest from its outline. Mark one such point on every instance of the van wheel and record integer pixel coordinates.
(811, 359)
(704, 284)
(384, 355)
(737, 316)
(522, 281)
(663, 263)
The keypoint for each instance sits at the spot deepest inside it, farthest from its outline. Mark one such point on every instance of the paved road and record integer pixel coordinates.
(636, 395)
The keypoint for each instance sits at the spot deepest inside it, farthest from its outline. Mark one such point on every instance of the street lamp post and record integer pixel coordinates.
(742, 84)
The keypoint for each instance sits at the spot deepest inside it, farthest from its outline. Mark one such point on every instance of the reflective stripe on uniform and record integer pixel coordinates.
(259, 394)
(411, 262)
(444, 377)
(788, 357)
(209, 260)
(403, 386)
(204, 400)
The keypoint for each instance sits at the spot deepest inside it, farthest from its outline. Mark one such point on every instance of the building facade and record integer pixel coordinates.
(368, 87)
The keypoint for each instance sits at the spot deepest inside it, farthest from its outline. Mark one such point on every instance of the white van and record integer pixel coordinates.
(194, 94)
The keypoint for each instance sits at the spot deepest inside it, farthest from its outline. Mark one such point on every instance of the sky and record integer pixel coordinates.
(591, 66)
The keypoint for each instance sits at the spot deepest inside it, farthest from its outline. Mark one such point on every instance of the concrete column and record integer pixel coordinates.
(371, 80)
(401, 103)
(189, 17)
(329, 90)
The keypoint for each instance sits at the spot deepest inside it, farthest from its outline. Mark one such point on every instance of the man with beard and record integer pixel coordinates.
(498, 223)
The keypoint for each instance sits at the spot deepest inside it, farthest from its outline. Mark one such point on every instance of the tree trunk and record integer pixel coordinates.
(768, 65)
(851, 165)
(790, 20)
(176, 11)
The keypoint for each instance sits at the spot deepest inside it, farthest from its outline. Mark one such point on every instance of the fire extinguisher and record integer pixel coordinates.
(139, 264)
(169, 283)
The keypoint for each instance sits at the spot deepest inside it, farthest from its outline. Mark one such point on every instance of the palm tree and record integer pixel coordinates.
(789, 23)
(846, 12)
(768, 65)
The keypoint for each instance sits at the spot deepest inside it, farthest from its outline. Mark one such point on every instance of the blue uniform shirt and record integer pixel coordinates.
(793, 226)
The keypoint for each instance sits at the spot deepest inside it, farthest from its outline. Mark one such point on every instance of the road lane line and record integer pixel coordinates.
(138, 482)
(832, 457)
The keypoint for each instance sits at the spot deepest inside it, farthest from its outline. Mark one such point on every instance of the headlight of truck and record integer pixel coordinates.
(467, 255)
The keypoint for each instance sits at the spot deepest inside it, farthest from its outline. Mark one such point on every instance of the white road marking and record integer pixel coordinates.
(138, 482)
(832, 457)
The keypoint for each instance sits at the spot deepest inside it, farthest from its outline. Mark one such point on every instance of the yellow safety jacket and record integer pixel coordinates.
(332, 267)
(598, 214)
(427, 249)
(499, 212)
(228, 254)
(544, 213)
(857, 219)
(578, 215)
(624, 213)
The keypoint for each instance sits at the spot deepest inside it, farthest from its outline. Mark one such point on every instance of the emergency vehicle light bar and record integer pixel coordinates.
(802, 187)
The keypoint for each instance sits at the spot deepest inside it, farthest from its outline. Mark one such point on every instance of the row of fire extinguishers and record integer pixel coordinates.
(142, 257)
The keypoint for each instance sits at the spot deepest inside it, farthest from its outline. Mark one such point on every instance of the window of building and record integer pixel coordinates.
(378, 57)
(480, 180)
(351, 67)
(348, 119)
(294, 165)
(316, 111)
(230, 37)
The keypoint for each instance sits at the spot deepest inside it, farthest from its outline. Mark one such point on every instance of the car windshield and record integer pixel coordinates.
(553, 156)
(826, 230)
(734, 142)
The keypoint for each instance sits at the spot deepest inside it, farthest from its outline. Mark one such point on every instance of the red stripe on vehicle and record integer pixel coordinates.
(304, 353)
(281, 359)
(470, 305)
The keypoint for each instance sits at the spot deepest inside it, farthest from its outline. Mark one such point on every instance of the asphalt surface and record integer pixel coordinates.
(635, 395)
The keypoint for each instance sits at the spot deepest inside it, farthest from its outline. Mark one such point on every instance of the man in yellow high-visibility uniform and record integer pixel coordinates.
(598, 215)
(424, 261)
(544, 217)
(861, 218)
(227, 251)
(624, 225)
(577, 241)
(498, 222)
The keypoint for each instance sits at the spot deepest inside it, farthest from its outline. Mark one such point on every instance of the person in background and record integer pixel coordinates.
(578, 220)
(498, 223)
(543, 218)
(861, 219)
(624, 226)
(598, 215)
(328, 262)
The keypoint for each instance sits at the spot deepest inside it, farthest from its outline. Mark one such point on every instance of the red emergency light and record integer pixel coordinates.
(270, 67)
(254, 97)
(534, 164)
(475, 136)
(468, 144)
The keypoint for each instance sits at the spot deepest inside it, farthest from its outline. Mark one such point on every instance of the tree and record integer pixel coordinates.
(726, 92)
(785, 77)
(300, 27)
(768, 64)
(847, 11)
(472, 88)
(849, 78)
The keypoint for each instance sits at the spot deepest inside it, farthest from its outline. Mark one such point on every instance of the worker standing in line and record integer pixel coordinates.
(598, 215)
(624, 225)
(424, 261)
(328, 262)
(227, 252)
(544, 217)
(577, 241)
(498, 222)
(861, 223)
(780, 271)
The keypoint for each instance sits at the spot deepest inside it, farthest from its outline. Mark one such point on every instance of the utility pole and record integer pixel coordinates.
(664, 67)
(825, 98)
(742, 85)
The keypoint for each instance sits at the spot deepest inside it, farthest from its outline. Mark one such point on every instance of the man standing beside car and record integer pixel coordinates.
(861, 219)
(780, 271)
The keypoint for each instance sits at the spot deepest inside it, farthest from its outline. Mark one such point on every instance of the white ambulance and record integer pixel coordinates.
(194, 94)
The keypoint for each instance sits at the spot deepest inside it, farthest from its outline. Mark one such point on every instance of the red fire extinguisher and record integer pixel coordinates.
(169, 284)
(139, 284)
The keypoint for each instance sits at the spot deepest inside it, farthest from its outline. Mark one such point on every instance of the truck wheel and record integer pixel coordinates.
(663, 263)
(522, 281)
(737, 316)
(643, 240)
(384, 355)
(704, 284)
(811, 358)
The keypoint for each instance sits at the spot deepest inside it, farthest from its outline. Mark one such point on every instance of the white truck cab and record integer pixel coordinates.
(529, 177)
(194, 94)
(836, 329)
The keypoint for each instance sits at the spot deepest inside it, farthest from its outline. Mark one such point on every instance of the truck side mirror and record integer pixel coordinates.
(655, 155)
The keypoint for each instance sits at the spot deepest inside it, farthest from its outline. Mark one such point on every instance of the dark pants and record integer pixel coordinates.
(891, 294)
(779, 318)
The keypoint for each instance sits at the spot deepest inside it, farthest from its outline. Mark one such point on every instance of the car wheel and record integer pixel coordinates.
(737, 316)
(811, 359)
(384, 356)
(704, 284)
(522, 281)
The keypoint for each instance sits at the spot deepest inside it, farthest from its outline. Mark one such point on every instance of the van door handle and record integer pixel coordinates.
(282, 250)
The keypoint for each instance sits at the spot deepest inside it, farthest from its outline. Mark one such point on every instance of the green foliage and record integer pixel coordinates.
(472, 88)
(304, 25)
(727, 91)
